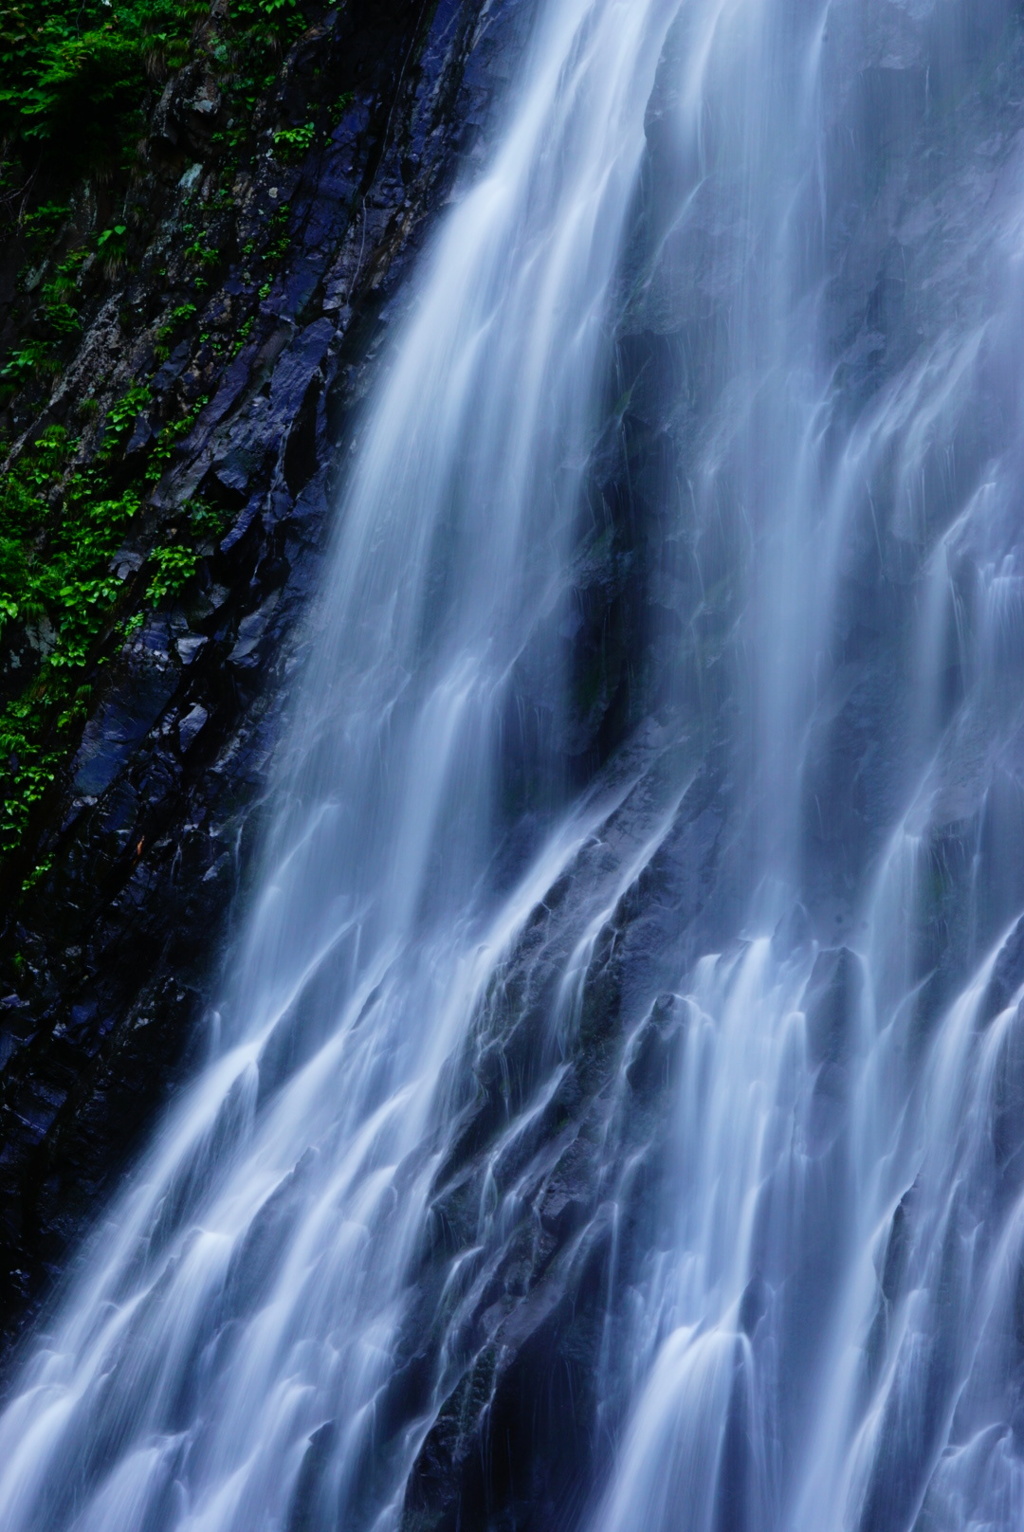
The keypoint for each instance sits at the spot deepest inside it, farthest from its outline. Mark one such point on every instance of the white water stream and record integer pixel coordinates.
(827, 1331)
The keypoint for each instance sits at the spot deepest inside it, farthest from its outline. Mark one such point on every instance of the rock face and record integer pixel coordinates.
(146, 837)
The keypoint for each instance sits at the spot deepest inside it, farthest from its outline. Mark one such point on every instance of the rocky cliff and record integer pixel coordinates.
(177, 444)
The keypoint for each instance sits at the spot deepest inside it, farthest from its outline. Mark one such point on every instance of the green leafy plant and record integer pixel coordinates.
(60, 527)
(244, 332)
(292, 144)
(207, 520)
(175, 566)
(29, 359)
(60, 299)
(173, 322)
(201, 252)
(76, 72)
(121, 418)
(116, 234)
(169, 437)
(175, 319)
(40, 227)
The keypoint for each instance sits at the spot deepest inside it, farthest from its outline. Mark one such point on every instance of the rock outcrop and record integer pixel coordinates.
(118, 896)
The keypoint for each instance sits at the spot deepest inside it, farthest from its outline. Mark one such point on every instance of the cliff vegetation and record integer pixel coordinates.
(84, 550)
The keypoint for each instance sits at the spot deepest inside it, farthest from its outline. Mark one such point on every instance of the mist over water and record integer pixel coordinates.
(664, 968)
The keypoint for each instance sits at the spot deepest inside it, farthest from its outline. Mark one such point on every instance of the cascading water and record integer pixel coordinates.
(691, 1053)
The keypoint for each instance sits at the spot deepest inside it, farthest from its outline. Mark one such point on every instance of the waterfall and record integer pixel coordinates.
(671, 1041)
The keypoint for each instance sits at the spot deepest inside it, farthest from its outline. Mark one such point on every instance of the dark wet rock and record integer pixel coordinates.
(124, 719)
(831, 1005)
(515, 1393)
(1007, 976)
(191, 726)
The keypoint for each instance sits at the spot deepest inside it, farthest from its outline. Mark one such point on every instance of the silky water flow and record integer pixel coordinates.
(815, 212)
